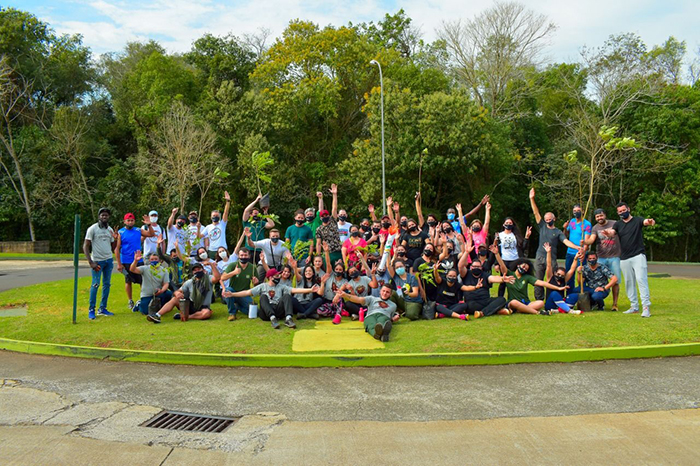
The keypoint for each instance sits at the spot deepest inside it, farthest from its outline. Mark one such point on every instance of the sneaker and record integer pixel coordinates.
(104, 312)
(646, 312)
(354, 317)
(337, 319)
(300, 316)
(177, 316)
(387, 330)
(614, 308)
(131, 305)
(464, 317)
(91, 314)
(314, 316)
(600, 307)
(440, 316)
(344, 313)
(289, 322)
(631, 311)
(154, 317)
(478, 314)
(378, 331)
(275, 324)
(545, 312)
(575, 312)
(231, 317)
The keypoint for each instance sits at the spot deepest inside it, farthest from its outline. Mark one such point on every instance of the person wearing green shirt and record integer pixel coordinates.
(313, 219)
(258, 225)
(518, 300)
(299, 232)
(240, 275)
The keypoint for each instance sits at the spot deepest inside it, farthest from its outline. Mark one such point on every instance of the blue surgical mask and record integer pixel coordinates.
(450, 217)
(154, 263)
(401, 271)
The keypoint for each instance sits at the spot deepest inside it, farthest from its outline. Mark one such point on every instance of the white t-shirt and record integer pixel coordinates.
(217, 235)
(221, 265)
(175, 233)
(277, 251)
(344, 231)
(150, 244)
(509, 246)
(194, 241)
(101, 240)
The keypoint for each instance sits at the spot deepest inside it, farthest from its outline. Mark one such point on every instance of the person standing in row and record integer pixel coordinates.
(608, 249)
(100, 241)
(215, 232)
(128, 242)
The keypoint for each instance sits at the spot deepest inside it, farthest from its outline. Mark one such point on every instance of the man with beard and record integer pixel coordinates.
(608, 249)
(100, 241)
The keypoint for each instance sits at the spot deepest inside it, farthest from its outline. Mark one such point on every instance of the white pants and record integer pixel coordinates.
(634, 270)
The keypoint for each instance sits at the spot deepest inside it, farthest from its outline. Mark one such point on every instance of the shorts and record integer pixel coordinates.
(613, 263)
(131, 277)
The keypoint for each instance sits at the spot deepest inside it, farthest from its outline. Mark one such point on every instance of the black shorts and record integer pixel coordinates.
(131, 277)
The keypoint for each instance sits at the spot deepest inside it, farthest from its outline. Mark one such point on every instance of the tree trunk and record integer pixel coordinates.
(24, 196)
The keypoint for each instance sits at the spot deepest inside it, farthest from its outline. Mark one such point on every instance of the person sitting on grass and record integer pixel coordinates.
(479, 301)
(381, 311)
(275, 299)
(197, 293)
(175, 265)
(155, 281)
(554, 299)
(449, 294)
(306, 304)
(407, 295)
(518, 300)
(240, 274)
(358, 285)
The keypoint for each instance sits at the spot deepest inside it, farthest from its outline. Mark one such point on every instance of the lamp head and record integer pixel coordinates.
(374, 62)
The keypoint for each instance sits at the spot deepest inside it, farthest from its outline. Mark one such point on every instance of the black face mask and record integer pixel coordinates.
(476, 271)
(276, 280)
(181, 224)
(483, 253)
(371, 262)
(507, 227)
(310, 218)
(339, 274)
(476, 228)
(401, 254)
(386, 225)
(522, 270)
(625, 215)
(413, 229)
(193, 219)
(299, 222)
(364, 227)
(592, 261)
(342, 218)
(428, 252)
(559, 279)
(354, 274)
(550, 223)
(432, 223)
(447, 230)
(376, 230)
(577, 214)
(325, 219)
(275, 240)
(355, 234)
(215, 218)
(243, 260)
(404, 223)
(199, 273)
(256, 218)
(451, 280)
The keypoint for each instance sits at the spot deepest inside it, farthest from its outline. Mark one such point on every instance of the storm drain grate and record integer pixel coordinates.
(173, 420)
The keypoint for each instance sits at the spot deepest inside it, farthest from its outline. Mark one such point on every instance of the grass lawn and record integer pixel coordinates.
(675, 319)
(37, 257)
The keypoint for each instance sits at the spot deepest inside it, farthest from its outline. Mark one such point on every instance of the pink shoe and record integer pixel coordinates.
(344, 313)
(464, 316)
(337, 319)
(440, 316)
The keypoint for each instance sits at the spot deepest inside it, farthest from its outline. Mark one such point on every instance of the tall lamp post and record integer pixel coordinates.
(381, 96)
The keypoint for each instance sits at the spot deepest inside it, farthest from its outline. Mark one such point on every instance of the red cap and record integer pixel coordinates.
(386, 217)
(271, 273)
(129, 216)
(324, 213)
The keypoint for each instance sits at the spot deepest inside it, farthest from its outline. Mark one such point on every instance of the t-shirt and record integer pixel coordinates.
(217, 235)
(448, 295)
(221, 265)
(314, 225)
(101, 239)
(332, 286)
(153, 278)
(414, 244)
(576, 230)
(195, 243)
(479, 294)
(479, 238)
(273, 252)
(509, 246)
(306, 297)
(187, 289)
(298, 233)
(518, 290)
(179, 235)
(150, 243)
(273, 292)
(376, 305)
(257, 230)
(553, 236)
(598, 277)
(360, 286)
(413, 282)
(608, 246)
(344, 230)
(631, 238)
(130, 243)
(241, 281)
(382, 279)
(430, 289)
(350, 248)
(328, 232)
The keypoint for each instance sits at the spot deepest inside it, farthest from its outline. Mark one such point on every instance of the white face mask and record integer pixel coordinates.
(203, 255)
(223, 255)
(154, 219)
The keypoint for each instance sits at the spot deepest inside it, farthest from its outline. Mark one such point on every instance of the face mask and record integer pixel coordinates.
(274, 240)
(447, 230)
(432, 223)
(371, 262)
(450, 217)
(413, 229)
(276, 280)
(154, 219)
(386, 225)
(256, 218)
(401, 271)
(451, 280)
(203, 255)
(404, 223)
(364, 227)
(476, 271)
(299, 222)
(325, 219)
(376, 230)
(339, 274)
(181, 224)
(450, 251)
(577, 214)
(199, 273)
(310, 218)
(243, 260)
(400, 253)
(507, 227)
(427, 252)
(476, 228)
(215, 218)
(559, 278)
(154, 263)
(483, 253)
(521, 270)
(223, 255)
(550, 223)
(193, 219)
(354, 274)
(342, 218)
(592, 261)
(355, 234)
(625, 215)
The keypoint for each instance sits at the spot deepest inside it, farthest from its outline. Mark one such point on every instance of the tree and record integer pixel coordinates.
(495, 49)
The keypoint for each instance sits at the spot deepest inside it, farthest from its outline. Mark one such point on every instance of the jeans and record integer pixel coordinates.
(597, 297)
(635, 271)
(146, 301)
(105, 273)
(613, 263)
(555, 296)
(238, 304)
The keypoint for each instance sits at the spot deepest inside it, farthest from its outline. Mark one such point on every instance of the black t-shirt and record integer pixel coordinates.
(553, 281)
(553, 236)
(479, 294)
(430, 289)
(631, 238)
(414, 244)
(448, 295)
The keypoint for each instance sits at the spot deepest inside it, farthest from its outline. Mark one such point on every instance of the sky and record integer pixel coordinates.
(107, 25)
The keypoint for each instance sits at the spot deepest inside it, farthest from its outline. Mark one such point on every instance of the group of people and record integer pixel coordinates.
(377, 270)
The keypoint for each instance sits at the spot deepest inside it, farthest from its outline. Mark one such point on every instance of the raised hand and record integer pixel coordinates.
(459, 207)
(395, 206)
(418, 195)
(508, 279)
(488, 205)
(247, 232)
(389, 201)
(480, 283)
(315, 288)
(334, 188)
(485, 199)
(146, 220)
(532, 193)
(255, 281)
(528, 232)
(227, 197)
(370, 208)
(174, 211)
(547, 247)
(137, 255)
(494, 249)
(319, 194)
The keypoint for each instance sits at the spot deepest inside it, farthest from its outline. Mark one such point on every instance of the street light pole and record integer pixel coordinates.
(381, 97)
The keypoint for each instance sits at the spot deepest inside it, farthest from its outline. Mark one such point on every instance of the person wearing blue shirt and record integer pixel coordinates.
(579, 229)
(128, 242)
(454, 219)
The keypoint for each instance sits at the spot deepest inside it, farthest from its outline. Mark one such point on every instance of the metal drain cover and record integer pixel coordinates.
(174, 420)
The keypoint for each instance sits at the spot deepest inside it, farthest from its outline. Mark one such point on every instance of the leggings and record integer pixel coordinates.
(488, 306)
(555, 296)
(352, 308)
(502, 286)
(307, 309)
(459, 308)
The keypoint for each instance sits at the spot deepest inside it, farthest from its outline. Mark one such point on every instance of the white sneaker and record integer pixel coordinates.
(631, 311)
(646, 313)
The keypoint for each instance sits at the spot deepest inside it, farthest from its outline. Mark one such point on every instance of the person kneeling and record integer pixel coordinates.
(194, 298)
(381, 311)
(155, 281)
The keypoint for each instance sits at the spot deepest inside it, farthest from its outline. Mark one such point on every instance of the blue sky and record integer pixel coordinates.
(106, 25)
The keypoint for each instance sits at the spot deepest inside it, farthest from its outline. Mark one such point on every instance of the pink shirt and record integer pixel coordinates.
(350, 248)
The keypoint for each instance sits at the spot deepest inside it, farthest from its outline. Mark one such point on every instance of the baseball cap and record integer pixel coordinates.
(104, 209)
(197, 265)
(129, 216)
(271, 273)
(153, 212)
(324, 213)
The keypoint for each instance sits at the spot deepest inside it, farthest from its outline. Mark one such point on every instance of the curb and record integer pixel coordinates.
(351, 360)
